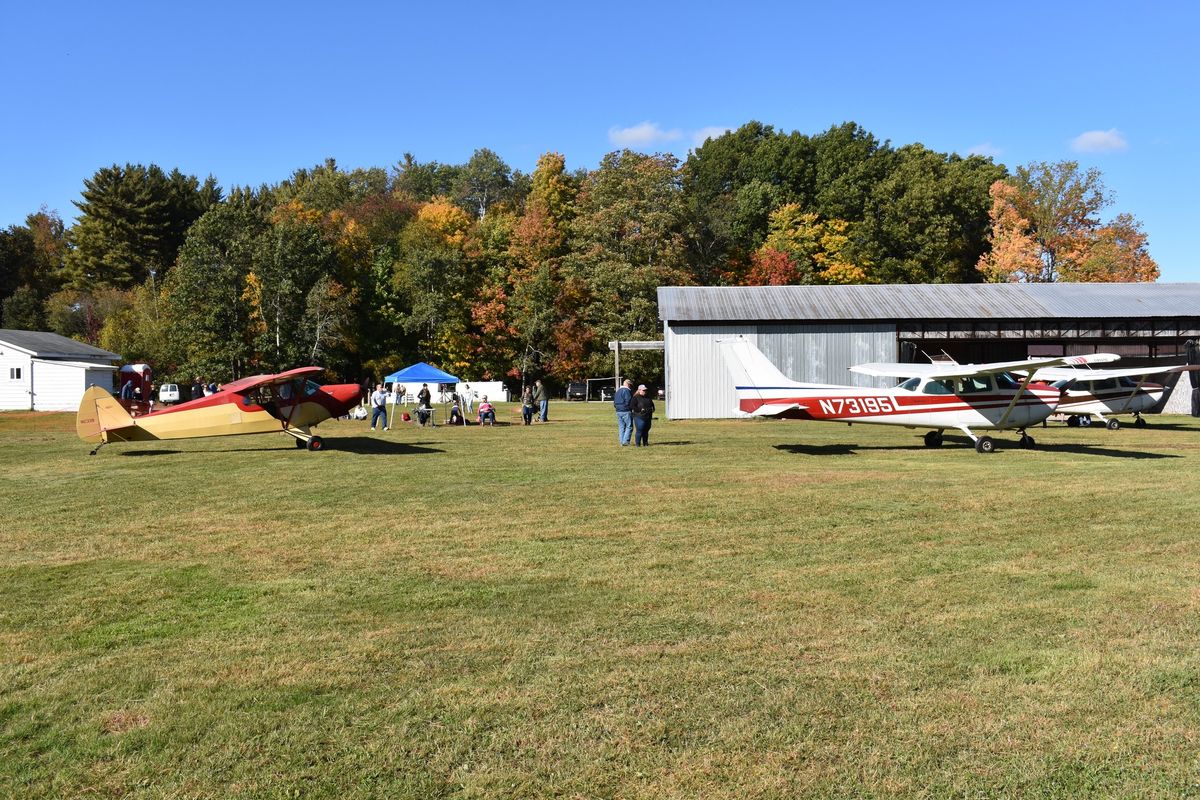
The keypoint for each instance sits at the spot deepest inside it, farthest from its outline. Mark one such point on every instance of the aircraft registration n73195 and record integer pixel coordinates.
(938, 396)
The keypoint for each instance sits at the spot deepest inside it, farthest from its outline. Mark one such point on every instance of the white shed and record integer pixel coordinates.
(46, 372)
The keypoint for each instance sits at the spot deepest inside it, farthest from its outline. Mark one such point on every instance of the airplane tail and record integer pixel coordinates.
(101, 418)
(757, 380)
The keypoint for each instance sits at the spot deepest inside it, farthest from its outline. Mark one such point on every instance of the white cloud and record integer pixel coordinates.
(985, 149)
(643, 135)
(1109, 141)
(711, 132)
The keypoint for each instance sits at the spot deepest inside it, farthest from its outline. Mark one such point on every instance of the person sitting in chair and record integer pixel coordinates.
(487, 412)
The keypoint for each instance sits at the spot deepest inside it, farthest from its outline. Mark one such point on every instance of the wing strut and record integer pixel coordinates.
(1016, 397)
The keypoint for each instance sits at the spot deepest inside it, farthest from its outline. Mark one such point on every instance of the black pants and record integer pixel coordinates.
(641, 431)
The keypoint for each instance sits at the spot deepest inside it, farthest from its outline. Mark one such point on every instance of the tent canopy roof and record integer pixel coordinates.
(420, 373)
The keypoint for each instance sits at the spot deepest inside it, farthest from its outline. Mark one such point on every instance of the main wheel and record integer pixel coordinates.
(1073, 421)
(1114, 424)
(301, 444)
(315, 443)
(933, 439)
(984, 445)
(1140, 422)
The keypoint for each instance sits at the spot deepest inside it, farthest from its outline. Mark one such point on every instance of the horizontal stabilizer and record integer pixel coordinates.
(774, 409)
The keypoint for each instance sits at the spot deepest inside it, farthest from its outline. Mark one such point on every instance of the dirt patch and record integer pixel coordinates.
(117, 722)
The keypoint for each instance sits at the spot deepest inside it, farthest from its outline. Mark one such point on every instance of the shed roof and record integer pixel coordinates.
(928, 301)
(41, 344)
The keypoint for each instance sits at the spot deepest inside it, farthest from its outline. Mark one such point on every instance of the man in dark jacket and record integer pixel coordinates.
(642, 408)
(621, 401)
(542, 398)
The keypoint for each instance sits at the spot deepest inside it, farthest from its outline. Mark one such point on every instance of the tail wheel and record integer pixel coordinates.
(933, 439)
(985, 445)
(315, 443)
(1114, 424)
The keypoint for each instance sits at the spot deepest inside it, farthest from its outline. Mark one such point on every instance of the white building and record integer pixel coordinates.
(47, 372)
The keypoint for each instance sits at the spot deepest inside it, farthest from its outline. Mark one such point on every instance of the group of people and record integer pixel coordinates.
(535, 398)
(202, 389)
(424, 410)
(635, 414)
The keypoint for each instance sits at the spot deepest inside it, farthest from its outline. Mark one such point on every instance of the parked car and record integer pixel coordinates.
(606, 393)
(577, 390)
(168, 393)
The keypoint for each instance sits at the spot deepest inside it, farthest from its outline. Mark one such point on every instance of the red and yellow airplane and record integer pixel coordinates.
(289, 402)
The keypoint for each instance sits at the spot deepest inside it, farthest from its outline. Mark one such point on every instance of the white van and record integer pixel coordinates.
(168, 393)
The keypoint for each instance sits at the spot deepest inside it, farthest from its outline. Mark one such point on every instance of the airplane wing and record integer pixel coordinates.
(950, 370)
(245, 384)
(1066, 373)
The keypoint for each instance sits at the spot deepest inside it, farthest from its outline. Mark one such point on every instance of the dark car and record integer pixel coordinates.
(606, 393)
(577, 390)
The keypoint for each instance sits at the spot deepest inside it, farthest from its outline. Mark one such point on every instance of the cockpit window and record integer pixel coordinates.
(311, 388)
(1126, 382)
(974, 384)
(938, 387)
(1005, 380)
(910, 385)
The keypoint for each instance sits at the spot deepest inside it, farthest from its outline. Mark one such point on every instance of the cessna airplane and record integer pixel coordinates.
(289, 402)
(1091, 393)
(939, 396)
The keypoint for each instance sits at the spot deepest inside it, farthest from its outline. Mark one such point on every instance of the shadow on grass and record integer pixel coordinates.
(965, 444)
(360, 445)
(671, 444)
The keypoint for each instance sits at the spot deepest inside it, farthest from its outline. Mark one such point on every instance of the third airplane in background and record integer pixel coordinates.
(1091, 393)
(964, 397)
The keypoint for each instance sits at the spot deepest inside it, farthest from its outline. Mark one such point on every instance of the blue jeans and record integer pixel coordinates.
(624, 427)
(642, 424)
(545, 411)
(380, 411)
(527, 413)
(487, 416)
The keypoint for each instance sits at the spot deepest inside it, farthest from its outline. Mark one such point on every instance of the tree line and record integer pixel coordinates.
(493, 273)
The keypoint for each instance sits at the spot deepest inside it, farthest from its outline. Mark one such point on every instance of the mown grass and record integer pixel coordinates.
(745, 609)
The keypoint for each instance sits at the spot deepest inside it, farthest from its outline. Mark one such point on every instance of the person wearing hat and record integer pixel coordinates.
(621, 401)
(642, 408)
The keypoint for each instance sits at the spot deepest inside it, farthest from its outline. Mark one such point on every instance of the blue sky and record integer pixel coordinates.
(249, 92)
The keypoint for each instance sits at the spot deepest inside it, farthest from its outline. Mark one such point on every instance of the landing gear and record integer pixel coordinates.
(301, 444)
(1139, 421)
(1027, 442)
(1073, 421)
(315, 443)
(1113, 424)
(984, 444)
(933, 439)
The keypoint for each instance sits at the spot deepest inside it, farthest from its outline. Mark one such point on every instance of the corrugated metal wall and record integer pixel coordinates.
(699, 386)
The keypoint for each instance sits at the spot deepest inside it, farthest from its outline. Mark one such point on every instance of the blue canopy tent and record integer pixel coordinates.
(416, 374)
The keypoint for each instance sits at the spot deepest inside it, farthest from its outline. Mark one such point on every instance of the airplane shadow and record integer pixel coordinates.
(359, 445)
(965, 444)
(672, 444)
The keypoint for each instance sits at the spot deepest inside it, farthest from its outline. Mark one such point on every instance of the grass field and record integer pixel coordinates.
(745, 609)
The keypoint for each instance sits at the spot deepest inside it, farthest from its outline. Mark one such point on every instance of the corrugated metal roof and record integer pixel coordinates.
(50, 345)
(928, 301)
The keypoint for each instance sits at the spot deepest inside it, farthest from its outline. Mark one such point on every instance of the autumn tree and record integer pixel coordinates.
(1046, 226)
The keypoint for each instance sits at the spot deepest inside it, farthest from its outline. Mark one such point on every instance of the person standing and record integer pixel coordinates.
(621, 402)
(379, 407)
(197, 388)
(642, 408)
(542, 398)
(424, 404)
(468, 398)
(527, 404)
